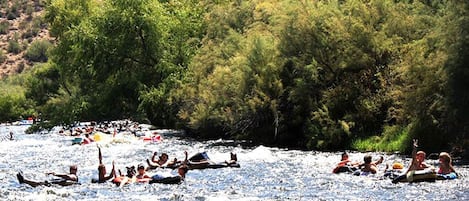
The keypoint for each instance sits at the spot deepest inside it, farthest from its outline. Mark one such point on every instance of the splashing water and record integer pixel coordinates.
(265, 173)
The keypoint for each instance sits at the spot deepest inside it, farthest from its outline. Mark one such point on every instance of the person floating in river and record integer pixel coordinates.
(418, 159)
(172, 179)
(141, 173)
(11, 135)
(368, 166)
(140, 176)
(426, 172)
(87, 139)
(161, 162)
(102, 170)
(202, 161)
(446, 169)
(345, 165)
(63, 180)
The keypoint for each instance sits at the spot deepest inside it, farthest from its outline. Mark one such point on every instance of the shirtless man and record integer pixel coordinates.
(64, 179)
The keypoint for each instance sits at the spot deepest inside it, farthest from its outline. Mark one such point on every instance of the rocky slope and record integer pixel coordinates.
(21, 23)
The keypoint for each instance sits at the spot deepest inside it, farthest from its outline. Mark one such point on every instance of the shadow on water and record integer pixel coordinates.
(265, 173)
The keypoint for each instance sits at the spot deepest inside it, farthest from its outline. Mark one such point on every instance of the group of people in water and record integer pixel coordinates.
(397, 174)
(103, 127)
(140, 175)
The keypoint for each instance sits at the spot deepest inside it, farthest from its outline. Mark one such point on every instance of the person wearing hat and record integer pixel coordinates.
(63, 180)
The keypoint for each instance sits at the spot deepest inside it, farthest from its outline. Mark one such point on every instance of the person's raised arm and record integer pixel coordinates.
(414, 162)
(153, 158)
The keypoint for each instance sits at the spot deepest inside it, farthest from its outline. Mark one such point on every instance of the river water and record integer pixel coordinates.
(265, 173)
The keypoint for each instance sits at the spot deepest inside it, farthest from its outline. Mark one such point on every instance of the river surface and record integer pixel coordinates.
(265, 173)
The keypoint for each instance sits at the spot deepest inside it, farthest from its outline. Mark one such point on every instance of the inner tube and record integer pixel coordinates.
(77, 140)
(449, 176)
(223, 165)
(361, 173)
(97, 137)
(62, 182)
(201, 156)
(166, 180)
(417, 176)
(345, 168)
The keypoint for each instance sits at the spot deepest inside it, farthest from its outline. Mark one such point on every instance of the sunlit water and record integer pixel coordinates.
(265, 173)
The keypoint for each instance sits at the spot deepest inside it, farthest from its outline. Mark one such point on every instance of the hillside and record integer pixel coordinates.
(21, 24)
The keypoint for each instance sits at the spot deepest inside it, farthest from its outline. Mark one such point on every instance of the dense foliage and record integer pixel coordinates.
(330, 74)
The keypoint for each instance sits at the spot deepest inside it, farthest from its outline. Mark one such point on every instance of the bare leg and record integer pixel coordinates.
(100, 155)
(22, 180)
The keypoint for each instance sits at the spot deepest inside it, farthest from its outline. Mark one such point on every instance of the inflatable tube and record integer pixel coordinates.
(155, 138)
(62, 182)
(417, 176)
(449, 176)
(212, 166)
(166, 180)
(345, 168)
(77, 140)
(361, 173)
(199, 157)
(223, 165)
(97, 137)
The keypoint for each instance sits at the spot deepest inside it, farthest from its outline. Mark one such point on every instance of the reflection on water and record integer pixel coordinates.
(265, 173)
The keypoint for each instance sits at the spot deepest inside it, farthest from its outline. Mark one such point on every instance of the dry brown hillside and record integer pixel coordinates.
(21, 23)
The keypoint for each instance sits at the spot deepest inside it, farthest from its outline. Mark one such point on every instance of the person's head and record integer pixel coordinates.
(445, 158)
(141, 169)
(367, 159)
(164, 157)
(420, 156)
(87, 135)
(344, 156)
(73, 169)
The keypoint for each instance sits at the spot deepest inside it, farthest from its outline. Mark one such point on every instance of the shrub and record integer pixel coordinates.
(37, 51)
(11, 16)
(4, 27)
(2, 56)
(20, 67)
(14, 47)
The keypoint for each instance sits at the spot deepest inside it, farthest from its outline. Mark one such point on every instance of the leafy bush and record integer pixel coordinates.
(11, 16)
(14, 47)
(13, 103)
(2, 56)
(37, 51)
(4, 27)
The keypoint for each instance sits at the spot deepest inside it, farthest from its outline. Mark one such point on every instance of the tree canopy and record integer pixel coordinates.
(326, 74)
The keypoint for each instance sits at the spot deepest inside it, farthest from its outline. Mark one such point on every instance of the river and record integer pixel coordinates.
(265, 174)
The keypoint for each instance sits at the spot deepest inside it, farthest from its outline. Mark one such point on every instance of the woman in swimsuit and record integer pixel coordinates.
(446, 169)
